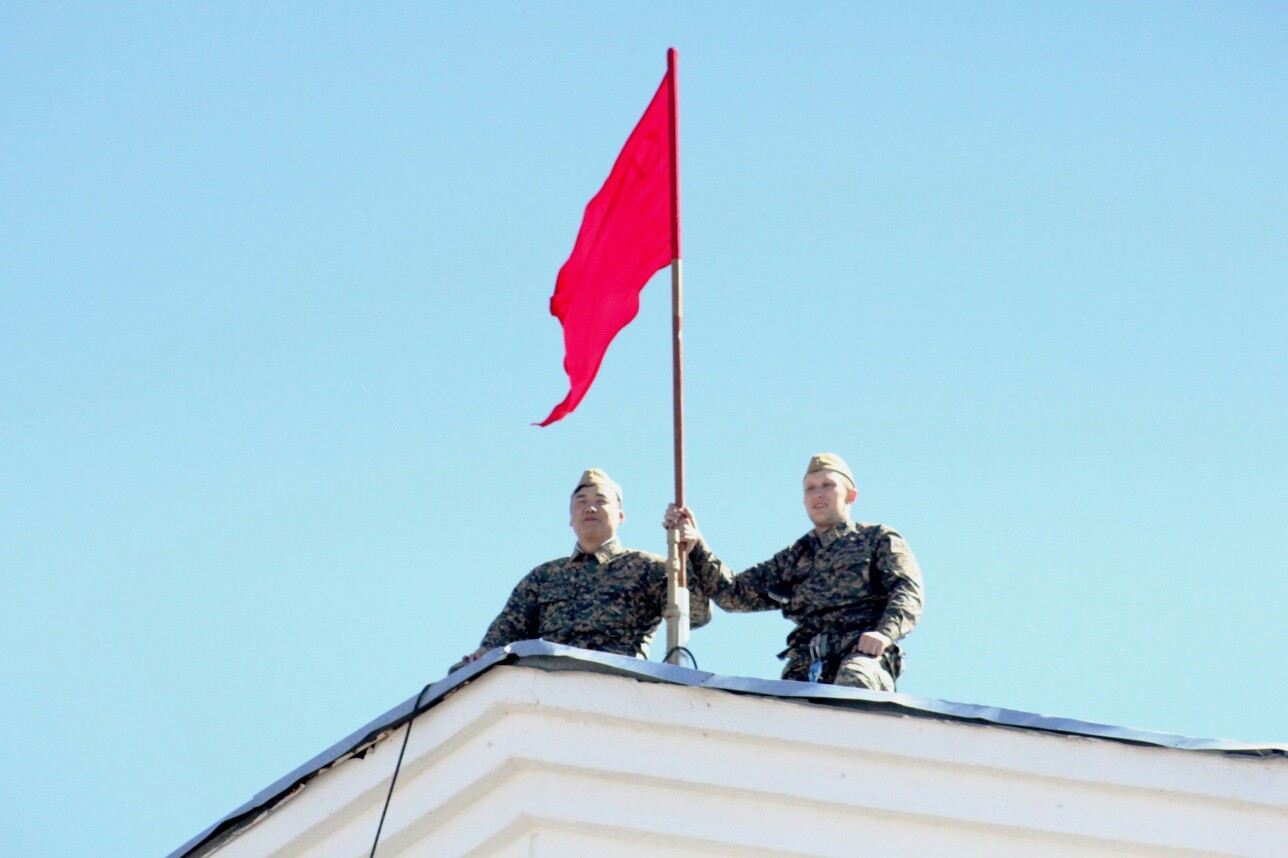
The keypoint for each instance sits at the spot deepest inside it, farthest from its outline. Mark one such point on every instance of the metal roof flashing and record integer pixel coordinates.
(541, 655)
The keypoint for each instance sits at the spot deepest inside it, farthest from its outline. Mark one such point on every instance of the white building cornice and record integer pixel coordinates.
(590, 754)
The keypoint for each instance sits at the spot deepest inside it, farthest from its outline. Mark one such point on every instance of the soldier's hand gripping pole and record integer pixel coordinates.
(676, 612)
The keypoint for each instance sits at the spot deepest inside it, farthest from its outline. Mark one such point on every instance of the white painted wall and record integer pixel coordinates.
(524, 762)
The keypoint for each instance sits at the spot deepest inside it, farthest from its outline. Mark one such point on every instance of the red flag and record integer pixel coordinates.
(629, 232)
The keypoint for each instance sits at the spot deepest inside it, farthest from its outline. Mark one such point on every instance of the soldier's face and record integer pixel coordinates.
(596, 515)
(827, 498)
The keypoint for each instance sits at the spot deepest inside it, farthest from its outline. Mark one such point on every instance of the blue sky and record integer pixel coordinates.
(273, 327)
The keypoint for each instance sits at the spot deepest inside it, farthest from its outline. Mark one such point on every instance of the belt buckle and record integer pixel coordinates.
(818, 652)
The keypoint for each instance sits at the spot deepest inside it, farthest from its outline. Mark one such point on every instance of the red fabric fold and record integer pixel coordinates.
(625, 238)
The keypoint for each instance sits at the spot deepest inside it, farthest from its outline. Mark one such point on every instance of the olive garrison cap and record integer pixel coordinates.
(596, 477)
(831, 462)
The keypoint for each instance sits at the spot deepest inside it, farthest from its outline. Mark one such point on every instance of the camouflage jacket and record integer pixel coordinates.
(854, 578)
(610, 600)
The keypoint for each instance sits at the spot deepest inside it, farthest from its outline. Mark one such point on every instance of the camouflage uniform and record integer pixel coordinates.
(610, 600)
(855, 578)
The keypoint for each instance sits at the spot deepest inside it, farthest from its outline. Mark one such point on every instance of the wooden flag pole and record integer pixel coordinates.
(677, 593)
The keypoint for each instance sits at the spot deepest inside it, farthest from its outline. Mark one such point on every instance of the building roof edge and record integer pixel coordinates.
(557, 657)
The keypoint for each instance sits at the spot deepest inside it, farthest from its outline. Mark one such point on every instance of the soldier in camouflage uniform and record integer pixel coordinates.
(852, 589)
(602, 596)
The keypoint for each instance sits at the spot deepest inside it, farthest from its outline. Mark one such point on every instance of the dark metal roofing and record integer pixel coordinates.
(549, 656)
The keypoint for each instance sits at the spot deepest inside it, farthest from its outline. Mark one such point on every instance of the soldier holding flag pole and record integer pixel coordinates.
(852, 589)
(630, 231)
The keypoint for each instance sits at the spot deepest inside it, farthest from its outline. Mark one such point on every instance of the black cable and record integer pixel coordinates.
(397, 766)
(683, 649)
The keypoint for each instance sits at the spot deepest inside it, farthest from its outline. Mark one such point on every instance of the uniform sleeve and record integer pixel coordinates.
(902, 579)
(699, 599)
(746, 591)
(519, 619)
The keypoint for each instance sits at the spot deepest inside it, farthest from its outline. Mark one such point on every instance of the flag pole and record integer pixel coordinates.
(677, 593)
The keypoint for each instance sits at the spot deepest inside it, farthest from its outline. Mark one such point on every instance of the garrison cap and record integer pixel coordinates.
(831, 462)
(596, 477)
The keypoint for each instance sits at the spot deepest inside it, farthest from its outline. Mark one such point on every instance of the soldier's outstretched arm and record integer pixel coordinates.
(745, 591)
(699, 601)
(518, 620)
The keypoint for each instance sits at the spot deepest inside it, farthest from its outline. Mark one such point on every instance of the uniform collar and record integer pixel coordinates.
(834, 533)
(603, 553)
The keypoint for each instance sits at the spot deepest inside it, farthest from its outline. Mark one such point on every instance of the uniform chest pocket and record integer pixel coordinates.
(618, 598)
(838, 572)
(855, 560)
(555, 594)
(557, 606)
